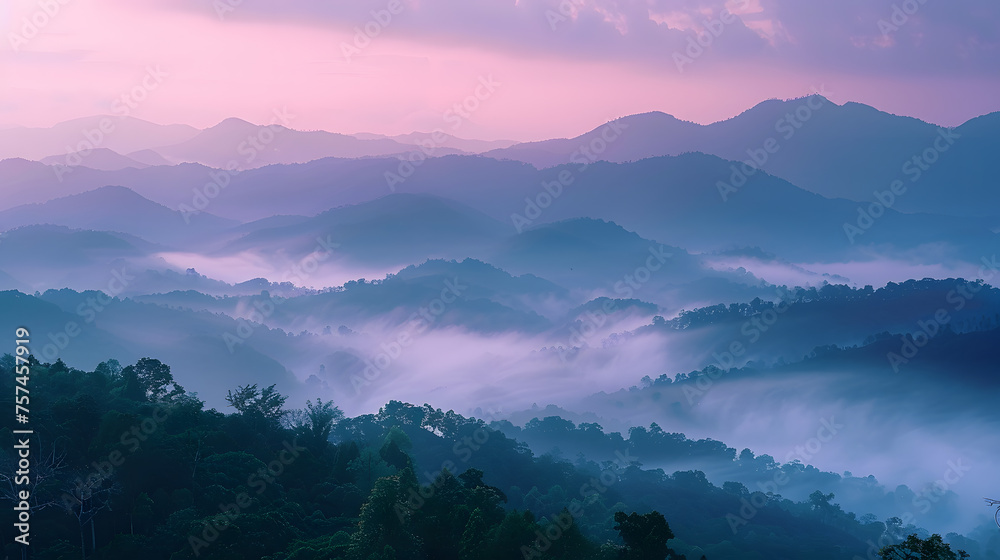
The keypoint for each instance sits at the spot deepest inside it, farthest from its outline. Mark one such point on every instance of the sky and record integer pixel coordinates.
(490, 69)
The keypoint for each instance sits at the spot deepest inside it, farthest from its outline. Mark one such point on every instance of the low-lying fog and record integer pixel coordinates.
(900, 427)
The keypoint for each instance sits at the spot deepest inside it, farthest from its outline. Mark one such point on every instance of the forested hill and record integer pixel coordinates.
(130, 465)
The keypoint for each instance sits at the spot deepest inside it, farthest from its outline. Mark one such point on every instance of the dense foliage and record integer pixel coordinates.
(130, 465)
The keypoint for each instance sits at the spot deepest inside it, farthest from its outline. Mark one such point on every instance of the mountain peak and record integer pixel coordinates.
(651, 119)
(232, 123)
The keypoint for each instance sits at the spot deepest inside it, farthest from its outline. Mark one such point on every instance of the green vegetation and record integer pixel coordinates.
(129, 465)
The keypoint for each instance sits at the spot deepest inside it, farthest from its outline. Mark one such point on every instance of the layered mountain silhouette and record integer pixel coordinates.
(640, 272)
(119, 209)
(121, 134)
(839, 151)
(675, 200)
(806, 141)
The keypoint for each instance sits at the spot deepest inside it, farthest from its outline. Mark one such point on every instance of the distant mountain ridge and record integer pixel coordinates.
(119, 209)
(235, 141)
(98, 158)
(839, 151)
(673, 199)
(848, 151)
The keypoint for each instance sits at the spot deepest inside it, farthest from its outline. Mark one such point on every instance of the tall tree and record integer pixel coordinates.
(262, 408)
(150, 380)
(321, 418)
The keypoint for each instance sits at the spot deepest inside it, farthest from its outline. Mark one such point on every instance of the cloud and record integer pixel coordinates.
(565, 65)
(885, 36)
(891, 36)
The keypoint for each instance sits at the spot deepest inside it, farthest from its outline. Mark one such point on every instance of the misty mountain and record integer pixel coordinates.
(165, 280)
(52, 246)
(602, 257)
(471, 295)
(581, 254)
(8, 282)
(483, 276)
(432, 142)
(238, 144)
(307, 188)
(405, 291)
(278, 221)
(31, 182)
(587, 252)
(635, 137)
(674, 200)
(549, 432)
(148, 158)
(61, 331)
(120, 209)
(791, 324)
(808, 140)
(677, 200)
(871, 414)
(397, 229)
(98, 158)
(46, 256)
(82, 327)
(121, 134)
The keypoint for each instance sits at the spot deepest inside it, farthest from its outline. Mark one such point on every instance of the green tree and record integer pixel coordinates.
(140, 513)
(474, 536)
(915, 548)
(322, 416)
(368, 467)
(262, 408)
(150, 380)
(394, 449)
(645, 536)
(570, 544)
(820, 501)
(514, 537)
(112, 369)
(383, 526)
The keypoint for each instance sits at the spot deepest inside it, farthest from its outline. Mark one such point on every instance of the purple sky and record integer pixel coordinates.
(560, 67)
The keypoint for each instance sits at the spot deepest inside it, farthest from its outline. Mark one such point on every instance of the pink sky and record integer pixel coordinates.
(557, 77)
